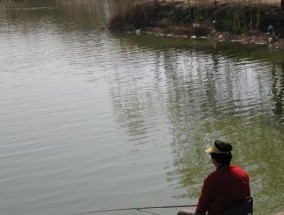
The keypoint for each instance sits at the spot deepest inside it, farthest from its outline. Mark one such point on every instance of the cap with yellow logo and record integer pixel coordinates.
(220, 147)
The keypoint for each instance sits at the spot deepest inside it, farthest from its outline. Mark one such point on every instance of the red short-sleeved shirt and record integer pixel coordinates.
(226, 185)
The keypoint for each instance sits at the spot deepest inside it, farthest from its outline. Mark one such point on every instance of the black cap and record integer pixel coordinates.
(220, 147)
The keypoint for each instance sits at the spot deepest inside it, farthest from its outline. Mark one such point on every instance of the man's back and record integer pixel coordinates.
(226, 185)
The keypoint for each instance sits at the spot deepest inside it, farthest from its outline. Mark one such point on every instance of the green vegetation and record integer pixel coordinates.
(228, 17)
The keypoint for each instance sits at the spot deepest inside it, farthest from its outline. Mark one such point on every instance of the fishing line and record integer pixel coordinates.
(139, 209)
(148, 212)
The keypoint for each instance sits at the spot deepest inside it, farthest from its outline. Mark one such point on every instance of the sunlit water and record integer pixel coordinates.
(94, 120)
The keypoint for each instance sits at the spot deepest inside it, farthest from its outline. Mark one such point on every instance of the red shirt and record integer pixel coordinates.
(226, 185)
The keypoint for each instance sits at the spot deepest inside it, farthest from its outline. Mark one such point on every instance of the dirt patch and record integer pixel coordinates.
(197, 31)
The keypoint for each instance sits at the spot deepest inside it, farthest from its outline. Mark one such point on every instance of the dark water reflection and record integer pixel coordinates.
(93, 118)
(210, 93)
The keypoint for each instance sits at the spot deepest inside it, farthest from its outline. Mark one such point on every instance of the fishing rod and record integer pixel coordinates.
(141, 208)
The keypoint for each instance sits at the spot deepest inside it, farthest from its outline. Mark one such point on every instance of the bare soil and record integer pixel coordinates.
(188, 32)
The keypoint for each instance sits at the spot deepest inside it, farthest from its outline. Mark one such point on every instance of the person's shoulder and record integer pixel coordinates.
(211, 176)
(236, 168)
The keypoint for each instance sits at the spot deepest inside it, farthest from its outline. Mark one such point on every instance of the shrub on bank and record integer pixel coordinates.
(227, 17)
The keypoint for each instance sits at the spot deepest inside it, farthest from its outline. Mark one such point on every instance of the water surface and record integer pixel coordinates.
(92, 119)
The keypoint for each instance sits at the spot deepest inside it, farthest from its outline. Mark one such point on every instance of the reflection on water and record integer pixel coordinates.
(207, 96)
(91, 118)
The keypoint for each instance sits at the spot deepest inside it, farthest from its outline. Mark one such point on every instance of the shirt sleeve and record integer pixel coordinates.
(205, 197)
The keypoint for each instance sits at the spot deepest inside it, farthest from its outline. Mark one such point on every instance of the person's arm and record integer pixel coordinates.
(205, 198)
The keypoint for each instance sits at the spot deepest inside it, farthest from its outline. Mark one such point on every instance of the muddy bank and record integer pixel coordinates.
(223, 22)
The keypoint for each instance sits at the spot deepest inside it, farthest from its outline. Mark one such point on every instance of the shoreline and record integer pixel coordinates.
(165, 19)
(255, 39)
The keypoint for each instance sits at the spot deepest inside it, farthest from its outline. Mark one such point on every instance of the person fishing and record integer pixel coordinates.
(227, 185)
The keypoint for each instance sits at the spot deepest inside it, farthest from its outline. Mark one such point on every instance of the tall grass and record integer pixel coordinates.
(228, 15)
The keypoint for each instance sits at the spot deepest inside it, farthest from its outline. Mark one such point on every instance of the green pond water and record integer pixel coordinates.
(92, 119)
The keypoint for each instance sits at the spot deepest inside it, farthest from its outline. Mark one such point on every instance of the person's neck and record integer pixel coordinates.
(221, 165)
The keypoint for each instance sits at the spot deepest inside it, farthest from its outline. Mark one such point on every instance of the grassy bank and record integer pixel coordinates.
(188, 20)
